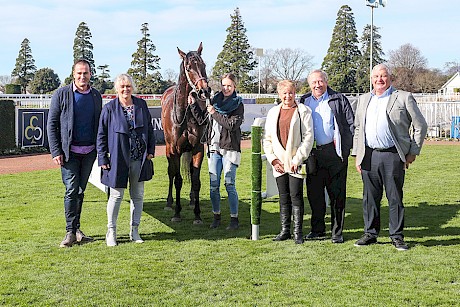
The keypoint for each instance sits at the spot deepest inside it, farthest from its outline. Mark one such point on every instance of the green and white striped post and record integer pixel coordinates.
(256, 176)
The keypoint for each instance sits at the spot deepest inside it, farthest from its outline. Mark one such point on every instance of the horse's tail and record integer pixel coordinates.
(185, 164)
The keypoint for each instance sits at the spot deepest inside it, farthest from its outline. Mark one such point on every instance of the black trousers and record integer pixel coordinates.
(383, 169)
(290, 190)
(332, 175)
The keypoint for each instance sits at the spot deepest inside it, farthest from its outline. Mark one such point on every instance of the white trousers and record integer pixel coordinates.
(136, 193)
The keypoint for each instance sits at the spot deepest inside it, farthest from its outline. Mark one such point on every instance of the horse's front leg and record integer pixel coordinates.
(195, 169)
(195, 194)
(178, 185)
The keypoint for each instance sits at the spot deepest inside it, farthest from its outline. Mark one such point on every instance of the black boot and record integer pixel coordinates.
(234, 224)
(216, 221)
(285, 217)
(297, 212)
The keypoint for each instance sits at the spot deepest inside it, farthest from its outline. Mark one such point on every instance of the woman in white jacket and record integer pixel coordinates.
(287, 142)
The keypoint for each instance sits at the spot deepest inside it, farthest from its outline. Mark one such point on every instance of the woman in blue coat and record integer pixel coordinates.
(125, 146)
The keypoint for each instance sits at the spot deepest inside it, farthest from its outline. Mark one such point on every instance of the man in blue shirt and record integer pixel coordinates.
(72, 129)
(333, 130)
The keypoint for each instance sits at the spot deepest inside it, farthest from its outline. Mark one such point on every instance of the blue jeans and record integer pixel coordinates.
(75, 174)
(217, 164)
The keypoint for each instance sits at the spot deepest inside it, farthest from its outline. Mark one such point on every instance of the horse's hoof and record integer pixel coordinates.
(197, 222)
(168, 208)
(176, 219)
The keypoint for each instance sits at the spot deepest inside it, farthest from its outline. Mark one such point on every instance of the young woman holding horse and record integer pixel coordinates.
(125, 146)
(223, 138)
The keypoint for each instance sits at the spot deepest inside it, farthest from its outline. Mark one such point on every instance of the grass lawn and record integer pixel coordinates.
(181, 264)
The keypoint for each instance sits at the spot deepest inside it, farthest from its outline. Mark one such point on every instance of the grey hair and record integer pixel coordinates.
(124, 77)
(382, 66)
(322, 72)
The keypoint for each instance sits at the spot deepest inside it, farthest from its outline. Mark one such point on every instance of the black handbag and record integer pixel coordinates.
(311, 164)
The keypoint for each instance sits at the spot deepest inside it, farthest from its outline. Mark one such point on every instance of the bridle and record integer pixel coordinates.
(193, 85)
(189, 80)
(194, 89)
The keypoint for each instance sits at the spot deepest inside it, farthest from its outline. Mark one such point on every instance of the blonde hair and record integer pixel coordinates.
(283, 84)
(126, 78)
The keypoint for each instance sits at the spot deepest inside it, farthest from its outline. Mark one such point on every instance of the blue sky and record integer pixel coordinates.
(50, 25)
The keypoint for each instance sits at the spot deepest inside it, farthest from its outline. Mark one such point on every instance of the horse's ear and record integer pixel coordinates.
(181, 53)
(200, 48)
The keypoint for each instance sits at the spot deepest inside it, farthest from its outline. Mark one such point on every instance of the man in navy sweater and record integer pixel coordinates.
(72, 128)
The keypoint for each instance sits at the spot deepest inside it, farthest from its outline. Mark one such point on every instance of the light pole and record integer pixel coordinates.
(259, 53)
(373, 4)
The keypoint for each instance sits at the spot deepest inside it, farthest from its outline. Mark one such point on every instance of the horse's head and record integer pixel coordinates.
(195, 71)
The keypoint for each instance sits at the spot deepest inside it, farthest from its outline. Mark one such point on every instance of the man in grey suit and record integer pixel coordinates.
(389, 133)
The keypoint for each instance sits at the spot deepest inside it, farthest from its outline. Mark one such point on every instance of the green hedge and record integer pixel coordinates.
(265, 100)
(7, 135)
(12, 89)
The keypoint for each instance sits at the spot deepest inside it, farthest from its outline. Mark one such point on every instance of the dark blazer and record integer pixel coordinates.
(344, 116)
(60, 120)
(113, 145)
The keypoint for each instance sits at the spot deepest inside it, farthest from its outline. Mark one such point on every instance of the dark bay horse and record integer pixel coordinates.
(182, 132)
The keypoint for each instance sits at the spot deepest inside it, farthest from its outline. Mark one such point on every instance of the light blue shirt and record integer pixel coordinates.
(377, 131)
(323, 119)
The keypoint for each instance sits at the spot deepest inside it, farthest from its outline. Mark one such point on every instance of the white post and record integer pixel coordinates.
(371, 54)
(259, 53)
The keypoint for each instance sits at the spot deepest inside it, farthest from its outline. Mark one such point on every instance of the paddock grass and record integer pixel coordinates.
(181, 264)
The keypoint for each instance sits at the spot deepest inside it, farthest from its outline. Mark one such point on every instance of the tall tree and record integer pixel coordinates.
(342, 57)
(100, 81)
(363, 73)
(83, 49)
(236, 56)
(145, 64)
(44, 82)
(25, 68)
(406, 62)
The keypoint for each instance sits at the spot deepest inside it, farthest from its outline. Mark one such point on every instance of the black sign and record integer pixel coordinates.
(32, 127)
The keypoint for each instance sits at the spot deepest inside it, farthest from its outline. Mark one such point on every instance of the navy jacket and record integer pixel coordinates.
(344, 116)
(61, 117)
(113, 142)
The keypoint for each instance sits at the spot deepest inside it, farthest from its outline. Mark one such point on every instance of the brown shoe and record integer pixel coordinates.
(69, 240)
(82, 238)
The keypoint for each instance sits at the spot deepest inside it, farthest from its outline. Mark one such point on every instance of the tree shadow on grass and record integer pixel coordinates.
(421, 221)
(186, 230)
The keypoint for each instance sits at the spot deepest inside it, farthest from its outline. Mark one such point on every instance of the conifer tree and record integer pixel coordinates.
(101, 82)
(44, 82)
(24, 69)
(363, 73)
(342, 57)
(236, 56)
(145, 64)
(83, 49)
